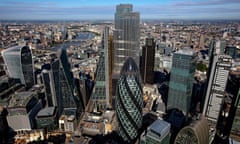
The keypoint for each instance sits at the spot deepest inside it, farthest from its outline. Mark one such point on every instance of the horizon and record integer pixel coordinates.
(101, 10)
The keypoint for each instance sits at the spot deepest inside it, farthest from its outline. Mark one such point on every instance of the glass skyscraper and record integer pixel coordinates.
(129, 101)
(181, 80)
(126, 36)
(19, 64)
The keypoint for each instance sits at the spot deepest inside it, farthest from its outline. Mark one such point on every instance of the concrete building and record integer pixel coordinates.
(216, 86)
(23, 108)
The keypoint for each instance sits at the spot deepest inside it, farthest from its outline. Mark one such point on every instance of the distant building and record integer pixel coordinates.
(147, 66)
(216, 86)
(19, 63)
(157, 133)
(181, 80)
(232, 51)
(196, 133)
(129, 101)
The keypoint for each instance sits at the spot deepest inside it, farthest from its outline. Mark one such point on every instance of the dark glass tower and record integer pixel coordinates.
(129, 101)
(147, 67)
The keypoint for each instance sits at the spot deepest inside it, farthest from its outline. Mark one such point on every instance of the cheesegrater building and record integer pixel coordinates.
(129, 101)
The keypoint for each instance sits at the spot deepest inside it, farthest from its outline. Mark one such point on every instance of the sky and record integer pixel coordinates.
(105, 9)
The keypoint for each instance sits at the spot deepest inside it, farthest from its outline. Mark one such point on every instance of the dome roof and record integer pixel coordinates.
(130, 67)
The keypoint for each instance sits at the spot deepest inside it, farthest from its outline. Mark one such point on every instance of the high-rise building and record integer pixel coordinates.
(216, 86)
(126, 36)
(59, 83)
(99, 97)
(48, 81)
(66, 82)
(147, 66)
(181, 80)
(129, 101)
(19, 63)
(108, 66)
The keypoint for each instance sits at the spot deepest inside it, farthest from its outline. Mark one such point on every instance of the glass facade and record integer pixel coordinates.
(126, 36)
(129, 101)
(19, 64)
(181, 80)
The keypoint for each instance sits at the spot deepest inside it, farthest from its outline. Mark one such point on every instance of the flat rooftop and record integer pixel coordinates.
(159, 126)
(47, 112)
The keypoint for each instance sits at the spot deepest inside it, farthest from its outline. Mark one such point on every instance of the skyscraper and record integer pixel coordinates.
(126, 36)
(19, 64)
(129, 101)
(181, 80)
(107, 63)
(216, 86)
(147, 66)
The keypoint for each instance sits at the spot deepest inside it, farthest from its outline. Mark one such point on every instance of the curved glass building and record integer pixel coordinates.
(129, 101)
(19, 63)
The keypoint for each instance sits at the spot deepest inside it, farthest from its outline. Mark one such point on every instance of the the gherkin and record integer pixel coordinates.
(129, 101)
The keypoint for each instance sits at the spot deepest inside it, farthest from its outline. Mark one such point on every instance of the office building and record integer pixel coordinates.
(48, 82)
(196, 132)
(157, 133)
(99, 98)
(108, 65)
(129, 101)
(233, 51)
(126, 36)
(181, 80)
(147, 66)
(23, 108)
(216, 86)
(47, 118)
(19, 63)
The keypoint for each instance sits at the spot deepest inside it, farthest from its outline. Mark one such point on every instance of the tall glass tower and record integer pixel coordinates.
(126, 36)
(181, 80)
(19, 63)
(129, 101)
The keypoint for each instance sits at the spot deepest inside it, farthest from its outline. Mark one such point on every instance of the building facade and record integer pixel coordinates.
(147, 66)
(181, 80)
(19, 63)
(126, 36)
(129, 101)
(216, 86)
(157, 133)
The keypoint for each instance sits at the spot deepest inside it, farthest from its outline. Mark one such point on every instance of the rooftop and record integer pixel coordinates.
(49, 111)
(159, 126)
(21, 99)
(185, 51)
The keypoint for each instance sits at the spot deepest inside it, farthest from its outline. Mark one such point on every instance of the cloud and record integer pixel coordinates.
(173, 9)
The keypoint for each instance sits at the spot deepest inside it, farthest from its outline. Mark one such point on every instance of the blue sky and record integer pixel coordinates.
(104, 9)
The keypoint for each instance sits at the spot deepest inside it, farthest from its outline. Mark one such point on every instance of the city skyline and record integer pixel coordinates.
(91, 10)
